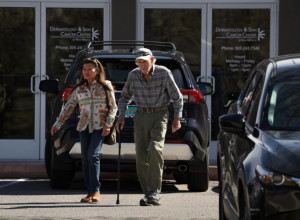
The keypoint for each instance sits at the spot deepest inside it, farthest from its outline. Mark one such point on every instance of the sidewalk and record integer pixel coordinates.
(36, 169)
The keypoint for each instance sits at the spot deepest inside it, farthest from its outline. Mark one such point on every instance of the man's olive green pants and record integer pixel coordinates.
(149, 135)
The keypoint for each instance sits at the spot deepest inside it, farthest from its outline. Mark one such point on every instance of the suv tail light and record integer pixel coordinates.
(191, 96)
(66, 94)
(174, 141)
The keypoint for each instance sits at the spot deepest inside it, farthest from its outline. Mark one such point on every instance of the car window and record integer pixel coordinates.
(178, 77)
(117, 70)
(253, 106)
(284, 107)
(248, 96)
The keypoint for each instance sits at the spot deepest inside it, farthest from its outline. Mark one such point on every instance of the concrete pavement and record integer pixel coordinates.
(36, 169)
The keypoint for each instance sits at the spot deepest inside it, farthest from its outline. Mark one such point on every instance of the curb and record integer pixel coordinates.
(37, 170)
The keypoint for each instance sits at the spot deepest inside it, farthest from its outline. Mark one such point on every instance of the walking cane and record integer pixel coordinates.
(118, 181)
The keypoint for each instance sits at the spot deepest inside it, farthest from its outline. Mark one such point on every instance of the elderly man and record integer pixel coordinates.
(151, 87)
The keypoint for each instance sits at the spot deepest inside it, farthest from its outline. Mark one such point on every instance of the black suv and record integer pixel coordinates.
(186, 152)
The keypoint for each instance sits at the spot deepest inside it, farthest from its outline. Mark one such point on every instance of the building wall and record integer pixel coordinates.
(124, 24)
(289, 27)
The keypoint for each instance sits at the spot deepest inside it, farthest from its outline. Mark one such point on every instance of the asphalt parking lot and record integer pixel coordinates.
(28, 198)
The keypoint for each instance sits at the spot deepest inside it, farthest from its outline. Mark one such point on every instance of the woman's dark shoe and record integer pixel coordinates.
(96, 197)
(87, 199)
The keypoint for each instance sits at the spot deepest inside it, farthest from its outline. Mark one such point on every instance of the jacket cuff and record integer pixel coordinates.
(57, 124)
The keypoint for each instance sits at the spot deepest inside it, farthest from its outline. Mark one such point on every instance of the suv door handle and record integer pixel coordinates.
(31, 83)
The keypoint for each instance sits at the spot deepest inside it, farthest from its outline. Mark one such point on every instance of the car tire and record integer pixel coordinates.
(61, 179)
(58, 179)
(221, 196)
(48, 156)
(244, 206)
(198, 182)
(180, 177)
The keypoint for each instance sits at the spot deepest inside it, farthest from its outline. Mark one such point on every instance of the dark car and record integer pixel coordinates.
(259, 145)
(186, 151)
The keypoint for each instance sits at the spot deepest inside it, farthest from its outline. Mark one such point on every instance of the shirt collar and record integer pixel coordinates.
(153, 67)
(93, 84)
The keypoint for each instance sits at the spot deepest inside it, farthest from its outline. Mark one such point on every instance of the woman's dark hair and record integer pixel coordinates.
(100, 78)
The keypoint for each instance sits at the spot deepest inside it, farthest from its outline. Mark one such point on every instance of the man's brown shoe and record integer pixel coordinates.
(96, 197)
(86, 199)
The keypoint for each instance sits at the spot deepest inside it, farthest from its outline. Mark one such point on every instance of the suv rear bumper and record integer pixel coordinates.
(171, 152)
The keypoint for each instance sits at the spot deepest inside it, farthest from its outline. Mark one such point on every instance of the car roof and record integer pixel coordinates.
(278, 65)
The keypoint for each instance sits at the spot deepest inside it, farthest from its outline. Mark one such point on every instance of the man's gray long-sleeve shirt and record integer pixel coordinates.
(158, 92)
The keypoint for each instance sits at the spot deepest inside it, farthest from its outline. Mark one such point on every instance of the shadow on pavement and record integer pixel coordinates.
(108, 186)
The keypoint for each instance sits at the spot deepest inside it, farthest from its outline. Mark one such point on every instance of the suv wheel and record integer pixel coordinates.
(198, 182)
(244, 206)
(221, 193)
(61, 179)
(58, 179)
(180, 177)
(48, 156)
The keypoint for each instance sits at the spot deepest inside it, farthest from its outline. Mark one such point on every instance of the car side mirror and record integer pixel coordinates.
(49, 86)
(232, 123)
(205, 88)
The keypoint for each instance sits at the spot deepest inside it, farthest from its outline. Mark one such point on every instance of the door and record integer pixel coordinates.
(178, 23)
(38, 41)
(64, 33)
(19, 75)
(221, 42)
(240, 35)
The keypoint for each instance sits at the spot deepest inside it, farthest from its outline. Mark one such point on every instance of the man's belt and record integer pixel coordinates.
(150, 110)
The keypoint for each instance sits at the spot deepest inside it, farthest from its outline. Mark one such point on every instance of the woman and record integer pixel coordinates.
(96, 118)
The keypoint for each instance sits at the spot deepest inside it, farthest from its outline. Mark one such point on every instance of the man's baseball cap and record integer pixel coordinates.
(144, 54)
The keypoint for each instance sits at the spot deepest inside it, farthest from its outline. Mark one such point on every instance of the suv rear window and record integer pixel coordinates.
(117, 70)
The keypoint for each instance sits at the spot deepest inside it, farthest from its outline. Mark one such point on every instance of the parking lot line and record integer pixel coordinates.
(14, 182)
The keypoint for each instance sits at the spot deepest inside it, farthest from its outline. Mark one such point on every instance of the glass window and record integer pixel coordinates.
(248, 96)
(17, 64)
(240, 39)
(284, 106)
(68, 31)
(117, 70)
(180, 26)
(254, 94)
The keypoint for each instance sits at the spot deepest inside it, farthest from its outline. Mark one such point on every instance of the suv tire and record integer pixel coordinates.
(180, 177)
(61, 179)
(198, 182)
(58, 179)
(48, 156)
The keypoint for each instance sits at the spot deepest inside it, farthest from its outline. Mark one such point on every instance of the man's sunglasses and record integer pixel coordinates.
(142, 54)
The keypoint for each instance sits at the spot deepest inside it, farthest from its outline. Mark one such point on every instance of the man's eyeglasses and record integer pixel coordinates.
(142, 54)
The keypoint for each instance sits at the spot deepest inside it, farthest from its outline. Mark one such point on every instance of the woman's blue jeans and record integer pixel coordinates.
(91, 144)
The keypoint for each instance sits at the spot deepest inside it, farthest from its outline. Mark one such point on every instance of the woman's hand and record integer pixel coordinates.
(105, 131)
(54, 129)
